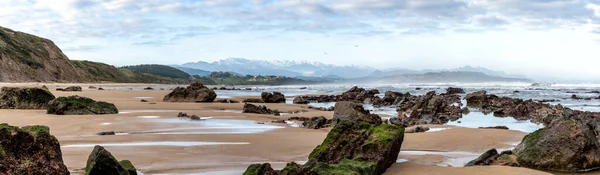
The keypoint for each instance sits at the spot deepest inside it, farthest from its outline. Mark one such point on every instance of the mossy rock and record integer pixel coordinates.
(76, 105)
(291, 168)
(101, 162)
(344, 167)
(259, 169)
(24, 98)
(128, 166)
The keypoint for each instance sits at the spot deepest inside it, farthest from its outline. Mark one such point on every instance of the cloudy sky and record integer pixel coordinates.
(539, 38)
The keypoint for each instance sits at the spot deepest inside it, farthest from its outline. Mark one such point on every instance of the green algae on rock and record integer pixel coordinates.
(76, 105)
(102, 162)
(24, 98)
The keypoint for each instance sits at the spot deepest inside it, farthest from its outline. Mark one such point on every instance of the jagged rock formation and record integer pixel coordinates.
(275, 97)
(355, 94)
(24, 98)
(76, 105)
(250, 108)
(196, 92)
(30, 150)
(350, 111)
(101, 162)
(430, 109)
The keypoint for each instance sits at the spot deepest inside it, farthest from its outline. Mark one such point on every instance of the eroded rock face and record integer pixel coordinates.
(431, 109)
(250, 108)
(101, 162)
(275, 97)
(24, 98)
(196, 92)
(355, 94)
(30, 150)
(350, 111)
(392, 98)
(76, 105)
(565, 145)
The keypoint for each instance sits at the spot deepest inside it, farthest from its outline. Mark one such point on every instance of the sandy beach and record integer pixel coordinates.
(157, 142)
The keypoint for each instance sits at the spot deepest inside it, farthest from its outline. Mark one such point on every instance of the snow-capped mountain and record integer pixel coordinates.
(281, 67)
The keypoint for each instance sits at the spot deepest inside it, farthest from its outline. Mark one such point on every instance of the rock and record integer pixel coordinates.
(253, 100)
(195, 117)
(148, 88)
(76, 105)
(355, 94)
(431, 109)
(356, 148)
(466, 111)
(302, 88)
(574, 97)
(92, 87)
(300, 100)
(566, 145)
(73, 89)
(418, 89)
(128, 166)
(248, 89)
(491, 157)
(250, 108)
(100, 89)
(30, 150)
(392, 98)
(494, 127)
(45, 87)
(60, 89)
(24, 98)
(260, 169)
(453, 90)
(222, 88)
(102, 162)
(317, 123)
(181, 114)
(278, 121)
(104, 133)
(416, 129)
(226, 101)
(594, 92)
(143, 100)
(275, 97)
(350, 111)
(196, 92)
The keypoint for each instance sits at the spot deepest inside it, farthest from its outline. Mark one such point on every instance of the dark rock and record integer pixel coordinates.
(100, 89)
(196, 92)
(491, 157)
(316, 122)
(104, 133)
(303, 88)
(355, 94)
(250, 108)
(30, 150)
(275, 97)
(73, 89)
(226, 101)
(300, 100)
(253, 100)
(565, 145)
(418, 89)
(260, 169)
(516, 92)
(60, 89)
(24, 98)
(278, 121)
(349, 111)
(148, 88)
(416, 129)
(92, 87)
(392, 98)
(143, 100)
(494, 127)
(76, 105)
(248, 89)
(181, 114)
(453, 90)
(431, 109)
(574, 97)
(466, 111)
(128, 166)
(594, 92)
(222, 88)
(102, 162)
(195, 117)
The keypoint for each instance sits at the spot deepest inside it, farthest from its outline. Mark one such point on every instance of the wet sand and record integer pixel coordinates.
(229, 141)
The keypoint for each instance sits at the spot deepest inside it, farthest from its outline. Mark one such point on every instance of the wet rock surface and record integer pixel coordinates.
(355, 94)
(491, 157)
(300, 100)
(76, 105)
(314, 122)
(494, 127)
(30, 150)
(350, 111)
(430, 109)
(102, 162)
(275, 97)
(253, 100)
(416, 129)
(196, 92)
(73, 89)
(453, 90)
(24, 98)
(258, 109)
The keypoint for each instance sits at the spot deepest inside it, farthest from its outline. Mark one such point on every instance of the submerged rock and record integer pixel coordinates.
(76, 105)
(73, 89)
(350, 111)
(565, 145)
(300, 100)
(275, 97)
(104, 133)
(250, 108)
(24, 98)
(494, 127)
(227, 101)
(416, 129)
(101, 162)
(30, 150)
(355, 94)
(491, 157)
(196, 92)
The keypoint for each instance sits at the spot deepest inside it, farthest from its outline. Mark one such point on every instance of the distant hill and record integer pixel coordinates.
(107, 73)
(160, 70)
(439, 77)
(193, 71)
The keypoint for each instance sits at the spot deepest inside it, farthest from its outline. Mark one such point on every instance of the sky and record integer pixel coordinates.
(538, 38)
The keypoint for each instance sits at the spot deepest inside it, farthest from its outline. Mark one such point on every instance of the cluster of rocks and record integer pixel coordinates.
(33, 150)
(313, 122)
(275, 97)
(429, 109)
(76, 105)
(453, 90)
(70, 89)
(416, 129)
(195, 92)
(355, 94)
(258, 109)
(231, 89)
(355, 145)
(300, 100)
(191, 117)
(24, 98)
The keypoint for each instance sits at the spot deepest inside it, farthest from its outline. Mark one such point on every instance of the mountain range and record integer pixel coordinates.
(306, 69)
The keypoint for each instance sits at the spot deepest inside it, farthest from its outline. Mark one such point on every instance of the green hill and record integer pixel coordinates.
(160, 70)
(107, 73)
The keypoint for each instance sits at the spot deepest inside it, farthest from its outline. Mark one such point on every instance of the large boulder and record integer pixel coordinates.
(317, 123)
(453, 90)
(73, 89)
(260, 169)
(431, 109)
(24, 98)
(350, 111)
(196, 92)
(30, 150)
(300, 100)
(76, 105)
(565, 145)
(275, 97)
(491, 157)
(250, 108)
(101, 162)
